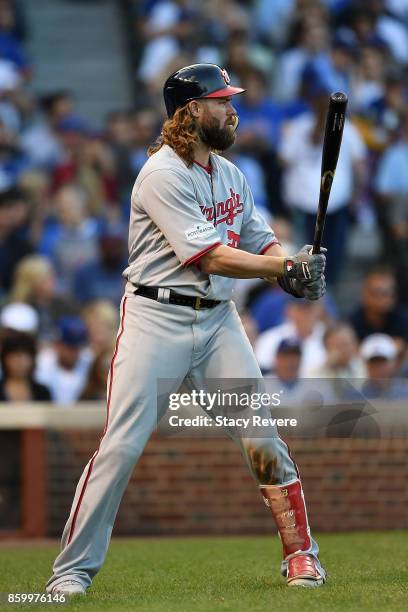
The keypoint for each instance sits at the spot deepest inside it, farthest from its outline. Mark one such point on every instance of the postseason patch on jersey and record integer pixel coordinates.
(200, 230)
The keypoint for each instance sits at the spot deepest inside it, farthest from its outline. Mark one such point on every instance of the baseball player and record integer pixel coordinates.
(193, 229)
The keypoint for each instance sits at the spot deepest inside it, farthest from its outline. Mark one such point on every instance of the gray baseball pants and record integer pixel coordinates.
(155, 341)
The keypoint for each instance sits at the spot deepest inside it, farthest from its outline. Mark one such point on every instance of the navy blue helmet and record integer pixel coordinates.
(195, 82)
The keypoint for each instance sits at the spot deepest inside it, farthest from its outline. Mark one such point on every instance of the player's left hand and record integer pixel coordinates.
(309, 288)
(312, 289)
(305, 266)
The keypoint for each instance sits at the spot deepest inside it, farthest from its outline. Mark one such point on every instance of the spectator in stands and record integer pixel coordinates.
(12, 160)
(13, 100)
(260, 118)
(287, 363)
(119, 135)
(273, 20)
(334, 66)
(379, 312)
(359, 25)
(223, 21)
(35, 283)
(17, 359)
(21, 211)
(169, 27)
(300, 153)
(154, 92)
(19, 317)
(35, 185)
(389, 29)
(72, 132)
(285, 379)
(369, 77)
(243, 54)
(301, 323)
(13, 19)
(95, 386)
(392, 179)
(64, 366)
(88, 162)
(11, 49)
(40, 140)
(379, 352)
(128, 135)
(399, 228)
(95, 172)
(398, 9)
(392, 205)
(342, 354)
(71, 239)
(102, 279)
(101, 320)
(13, 245)
(145, 130)
(312, 39)
(387, 111)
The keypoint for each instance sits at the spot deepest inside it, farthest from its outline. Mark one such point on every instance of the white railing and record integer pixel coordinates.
(84, 415)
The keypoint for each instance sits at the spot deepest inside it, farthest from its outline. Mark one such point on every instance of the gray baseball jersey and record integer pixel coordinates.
(180, 213)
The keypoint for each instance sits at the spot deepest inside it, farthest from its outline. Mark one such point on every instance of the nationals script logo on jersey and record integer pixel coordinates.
(225, 211)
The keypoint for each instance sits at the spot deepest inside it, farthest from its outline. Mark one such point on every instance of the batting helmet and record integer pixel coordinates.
(195, 82)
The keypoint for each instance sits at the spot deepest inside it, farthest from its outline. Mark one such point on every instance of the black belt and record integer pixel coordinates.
(171, 297)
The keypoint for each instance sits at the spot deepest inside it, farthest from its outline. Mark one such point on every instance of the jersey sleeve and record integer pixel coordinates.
(256, 235)
(169, 200)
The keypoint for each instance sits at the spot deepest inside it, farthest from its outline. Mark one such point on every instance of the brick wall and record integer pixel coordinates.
(185, 486)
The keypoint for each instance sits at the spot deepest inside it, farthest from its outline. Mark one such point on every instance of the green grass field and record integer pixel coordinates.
(367, 571)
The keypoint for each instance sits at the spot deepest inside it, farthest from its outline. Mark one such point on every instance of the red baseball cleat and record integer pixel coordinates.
(303, 571)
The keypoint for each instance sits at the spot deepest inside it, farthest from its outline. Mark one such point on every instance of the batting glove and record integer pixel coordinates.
(312, 290)
(304, 274)
(304, 266)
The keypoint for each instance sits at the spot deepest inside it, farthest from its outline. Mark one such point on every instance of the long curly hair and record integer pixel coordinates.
(180, 133)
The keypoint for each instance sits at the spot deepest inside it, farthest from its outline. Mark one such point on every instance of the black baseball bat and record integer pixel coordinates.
(331, 148)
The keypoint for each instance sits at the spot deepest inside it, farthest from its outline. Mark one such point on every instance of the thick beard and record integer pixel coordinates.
(215, 137)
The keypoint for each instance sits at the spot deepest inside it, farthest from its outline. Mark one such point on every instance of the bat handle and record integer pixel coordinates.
(317, 240)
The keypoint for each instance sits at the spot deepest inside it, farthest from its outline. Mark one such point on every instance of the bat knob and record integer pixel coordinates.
(339, 97)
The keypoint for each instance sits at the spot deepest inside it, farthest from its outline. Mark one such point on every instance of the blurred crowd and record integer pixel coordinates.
(65, 188)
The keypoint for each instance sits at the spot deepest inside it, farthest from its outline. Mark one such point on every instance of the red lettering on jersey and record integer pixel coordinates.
(233, 239)
(208, 213)
(226, 211)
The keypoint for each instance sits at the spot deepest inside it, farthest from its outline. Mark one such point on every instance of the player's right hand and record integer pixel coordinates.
(304, 266)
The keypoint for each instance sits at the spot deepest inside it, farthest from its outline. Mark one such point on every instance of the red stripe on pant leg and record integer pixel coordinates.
(122, 327)
(71, 532)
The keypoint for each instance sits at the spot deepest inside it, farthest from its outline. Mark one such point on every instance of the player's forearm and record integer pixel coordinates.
(275, 250)
(226, 261)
